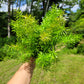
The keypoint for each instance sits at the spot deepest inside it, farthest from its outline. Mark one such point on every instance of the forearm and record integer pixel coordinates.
(22, 76)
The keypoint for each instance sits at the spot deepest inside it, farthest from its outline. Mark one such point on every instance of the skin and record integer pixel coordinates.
(24, 73)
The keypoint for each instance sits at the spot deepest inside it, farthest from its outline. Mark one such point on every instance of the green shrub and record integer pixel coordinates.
(78, 26)
(44, 60)
(14, 52)
(9, 41)
(71, 40)
(27, 32)
(72, 44)
(1, 42)
(1, 55)
(6, 48)
(52, 29)
(33, 36)
(80, 49)
(35, 39)
(6, 40)
(8, 51)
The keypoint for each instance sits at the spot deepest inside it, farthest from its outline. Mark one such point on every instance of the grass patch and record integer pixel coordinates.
(68, 70)
(7, 70)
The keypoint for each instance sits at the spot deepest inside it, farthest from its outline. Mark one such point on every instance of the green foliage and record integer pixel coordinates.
(78, 26)
(27, 32)
(71, 40)
(76, 22)
(1, 42)
(5, 47)
(80, 49)
(82, 4)
(8, 51)
(11, 40)
(6, 40)
(71, 2)
(14, 52)
(44, 60)
(1, 55)
(52, 27)
(35, 39)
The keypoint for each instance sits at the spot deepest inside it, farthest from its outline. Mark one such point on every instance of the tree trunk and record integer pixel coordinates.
(19, 4)
(27, 6)
(47, 6)
(12, 10)
(31, 6)
(43, 7)
(62, 5)
(8, 18)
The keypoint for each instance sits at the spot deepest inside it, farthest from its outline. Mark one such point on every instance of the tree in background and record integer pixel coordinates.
(8, 18)
(81, 4)
(40, 7)
(76, 19)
